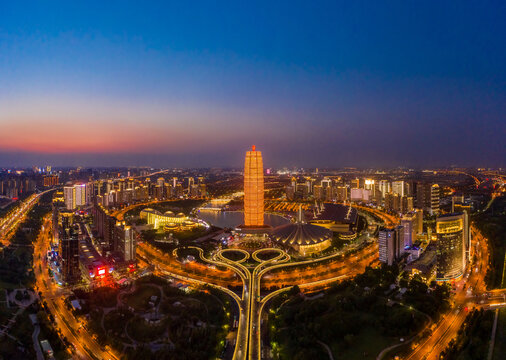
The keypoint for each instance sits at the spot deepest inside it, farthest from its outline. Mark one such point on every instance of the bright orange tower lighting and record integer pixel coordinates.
(253, 189)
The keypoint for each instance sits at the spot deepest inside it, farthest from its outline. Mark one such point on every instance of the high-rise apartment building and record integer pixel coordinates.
(318, 193)
(80, 191)
(434, 199)
(369, 184)
(408, 221)
(398, 187)
(384, 187)
(50, 180)
(419, 221)
(407, 204)
(191, 182)
(341, 193)
(69, 194)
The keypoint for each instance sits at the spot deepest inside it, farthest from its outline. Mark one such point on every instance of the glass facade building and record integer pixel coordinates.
(450, 246)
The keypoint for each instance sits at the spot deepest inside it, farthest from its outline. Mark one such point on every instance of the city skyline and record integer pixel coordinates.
(324, 85)
(252, 180)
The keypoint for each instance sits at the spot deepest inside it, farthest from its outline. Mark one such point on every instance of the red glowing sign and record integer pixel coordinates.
(101, 271)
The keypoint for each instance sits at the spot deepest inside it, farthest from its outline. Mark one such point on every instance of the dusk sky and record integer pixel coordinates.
(194, 84)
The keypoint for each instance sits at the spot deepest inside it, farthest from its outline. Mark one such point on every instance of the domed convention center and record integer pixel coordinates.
(304, 238)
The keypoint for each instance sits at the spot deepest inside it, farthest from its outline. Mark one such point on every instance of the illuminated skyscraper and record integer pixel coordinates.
(434, 199)
(398, 187)
(253, 189)
(69, 194)
(387, 246)
(451, 232)
(80, 194)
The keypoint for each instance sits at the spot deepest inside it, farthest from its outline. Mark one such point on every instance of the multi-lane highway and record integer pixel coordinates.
(256, 274)
(11, 221)
(314, 273)
(251, 303)
(85, 346)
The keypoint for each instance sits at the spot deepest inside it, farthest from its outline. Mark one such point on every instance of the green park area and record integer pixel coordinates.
(492, 224)
(473, 338)
(141, 297)
(16, 273)
(354, 319)
(500, 336)
(154, 318)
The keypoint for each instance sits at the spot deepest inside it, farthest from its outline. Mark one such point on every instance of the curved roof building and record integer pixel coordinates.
(169, 219)
(305, 238)
(336, 217)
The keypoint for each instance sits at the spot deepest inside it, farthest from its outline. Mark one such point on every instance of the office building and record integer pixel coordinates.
(69, 252)
(124, 242)
(389, 245)
(451, 232)
(400, 243)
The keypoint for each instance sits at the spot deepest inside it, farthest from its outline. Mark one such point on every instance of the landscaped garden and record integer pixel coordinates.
(354, 319)
(155, 319)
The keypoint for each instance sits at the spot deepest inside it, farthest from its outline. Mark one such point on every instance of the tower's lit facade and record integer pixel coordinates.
(253, 189)
(451, 259)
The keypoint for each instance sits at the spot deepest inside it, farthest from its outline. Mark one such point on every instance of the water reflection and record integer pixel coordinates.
(231, 219)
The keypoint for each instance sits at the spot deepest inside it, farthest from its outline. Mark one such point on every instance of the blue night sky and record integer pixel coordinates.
(314, 84)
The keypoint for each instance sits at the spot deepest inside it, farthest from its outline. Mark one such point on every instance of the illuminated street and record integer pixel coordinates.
(252, 180)
(85, 345)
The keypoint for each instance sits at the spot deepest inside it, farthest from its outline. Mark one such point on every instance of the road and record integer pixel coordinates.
(448, 327)
(86, 347)
(308, 274)
(36, 344)
(251, 303)
(10, 222)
